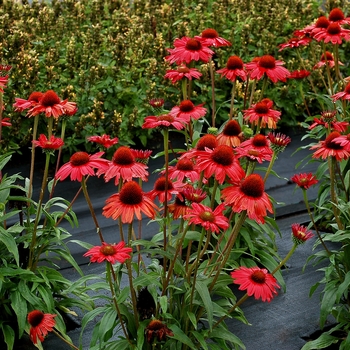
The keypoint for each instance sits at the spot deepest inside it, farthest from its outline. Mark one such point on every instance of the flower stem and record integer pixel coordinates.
(286, 258)
(64, 339)
(232, 99)
(272, 161)
(212, 78)
(32, 161)
(334, 200)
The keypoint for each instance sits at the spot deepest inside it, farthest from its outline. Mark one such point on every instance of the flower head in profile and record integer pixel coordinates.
(109, 252)
(342, 95)
(181, 72)
(329, 148)
(264, 113)
(156, 103)
(267, 65)
(234, 68)
(193, 195)
(40, 325)
(300, 234)
(124, 166)
(21, 104)
(129, 202)
(141, 156)
(328, 119)
(337, 15)
(206, 141)
(81, 164)
(320, 24)
(299, 74)
(187, 50)
(5, 122)
(211, 220)
(304, 180)
(104, 140)
(256, 281)
(249, 195)
(278, 142)
(187, 110)
(3, 82)
(256, 148)
(231, 134)
(184, 169)
(50, 144)
(163, 187)
(179, 207)
(165, 121)
(326, 59)
(295, 42)
(210, 37)
(156, 329)
(334, 34)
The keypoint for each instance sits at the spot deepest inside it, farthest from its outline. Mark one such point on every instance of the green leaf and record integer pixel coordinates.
(182, 337)
(225, 334)
(9, 335)
(108, 321)
(200, 339)
(192, 318)
(323, 341)
(19, 306)
(10, 243)
(203, 292)
(343, 287)
(163, 302)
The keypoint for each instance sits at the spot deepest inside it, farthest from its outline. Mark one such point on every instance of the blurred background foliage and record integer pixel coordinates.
(108, 56)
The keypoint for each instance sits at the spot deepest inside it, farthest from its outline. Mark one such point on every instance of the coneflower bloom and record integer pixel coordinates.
(220, 162)
(181, 72)
(329, 148)
(295, 42)
(109, 252)
(164, 121)
(40, 325)
(256, 148)
(249, 195)
(321, 24)
(328, 119)
(156, 102)
(342, 95)
(206, 141)
(187, 50)
(49, 144)
(262, 112)
(81, 164)
(278, 142)
(187, 110)
(192, 194)
(269, 66)
(141, 156)
(299, 74)
(304, 180)
(300, 234)
(234, 68)
(344, 141)
(210, 37)
(256, 281)
(156, 329)
(179, 208)
(326, 59)
(211, 220)
(129, 202)
(104, 140)
(21, 104)
(185, 168)
(172, 188)
(337, 15)
(231, 134)
(5, 122)
(124, 166)
(3, 82)
(333, 34)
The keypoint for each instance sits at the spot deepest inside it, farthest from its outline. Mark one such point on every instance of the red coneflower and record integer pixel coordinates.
(344, 141)
(5, 122)
(109, 252)
(278, 142)
(21, 104)
(220, 162)
(269, 66)
(124, 166)
(304, 180)
(157, 329)
(295, 42)
(129, 202)
(206, 141)
(256, 148)
(344, 95)
(249, 195)
(173, 188)
(299, 74)
(181, 72)
(188, 50)
(210, 37)
(328, 119)
(334, 34)
(326, 59)
(187, 110)
(329, 148)
(262, 112)
(211, 220)
(300, 234)
(234, 68)
(81, 164)
(52, 144)
(321, 24)
(40, 325)
(179, 208)
(141, 156)
(192, 194)
(164, 121)
(256, 281)
(231, 134)
(184, 168)
(337, 15)
(156, 102)
(104, 140)
(3, 82)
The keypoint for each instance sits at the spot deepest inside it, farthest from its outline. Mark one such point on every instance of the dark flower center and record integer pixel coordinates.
(210, 33)
(234, 62)
(159, 185)
(329, 141)
(186, 106)
(183, 69)
(185, 164)
(334, 29)
(155, 325)
(232, 128)
(131, 193)
(253, 186)
(259, 141)
(123, 156)
(50, 99)
(258, 277)
(107, 250)
(261, 108)
(267, 61)
(193, 45)
(322, 22)
(79, 158)
(35, 317)
(336, 15)
(35, 96)
(206, 141)
(329, 115)
(253, 152)
(166, 117)
(223, 155)
(329, 57)
(207, 216)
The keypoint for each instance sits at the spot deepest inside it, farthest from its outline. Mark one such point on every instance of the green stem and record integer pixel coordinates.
(184, 88)
(212, 78)
(334, 200)
(64, 339)
(232, 99)
(32, 161)
(286, 258)
(265, 81)
(272, 161)
(213, 192)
